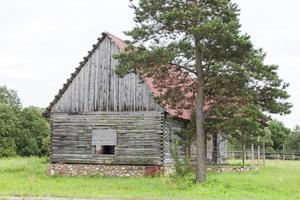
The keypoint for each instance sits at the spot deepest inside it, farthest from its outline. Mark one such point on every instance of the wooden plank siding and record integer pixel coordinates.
(97, 88)
(139, 137)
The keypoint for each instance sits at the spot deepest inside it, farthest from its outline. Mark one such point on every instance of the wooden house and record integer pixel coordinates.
(109, 125)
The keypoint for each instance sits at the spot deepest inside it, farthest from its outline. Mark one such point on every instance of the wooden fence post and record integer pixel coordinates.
(252, 153)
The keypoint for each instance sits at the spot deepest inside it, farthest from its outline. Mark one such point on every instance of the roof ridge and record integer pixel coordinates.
(112, 35)
(118, 41)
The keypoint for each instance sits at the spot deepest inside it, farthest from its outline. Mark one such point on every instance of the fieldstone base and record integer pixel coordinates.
(102, 170)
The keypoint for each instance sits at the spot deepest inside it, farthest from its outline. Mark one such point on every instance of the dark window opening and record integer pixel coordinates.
(108, 150)
(104, 141)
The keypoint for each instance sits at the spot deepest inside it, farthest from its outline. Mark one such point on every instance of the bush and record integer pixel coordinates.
(183, 167)
(184, 176)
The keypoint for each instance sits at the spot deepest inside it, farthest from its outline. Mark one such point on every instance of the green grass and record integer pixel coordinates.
(28, 177)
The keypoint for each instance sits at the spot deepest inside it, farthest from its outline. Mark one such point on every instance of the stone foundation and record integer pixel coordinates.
(128, 170)
(102, 170)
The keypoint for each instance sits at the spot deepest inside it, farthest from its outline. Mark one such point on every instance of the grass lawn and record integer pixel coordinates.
(28, 176)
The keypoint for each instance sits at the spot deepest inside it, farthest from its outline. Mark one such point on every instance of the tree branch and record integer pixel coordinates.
(183, 67)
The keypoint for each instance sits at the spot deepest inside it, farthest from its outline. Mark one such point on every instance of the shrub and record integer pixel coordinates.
(184, 176)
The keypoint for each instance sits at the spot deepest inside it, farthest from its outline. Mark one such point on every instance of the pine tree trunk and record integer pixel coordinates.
(200, 139)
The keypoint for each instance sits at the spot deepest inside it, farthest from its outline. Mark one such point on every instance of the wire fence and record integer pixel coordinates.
(250, 155)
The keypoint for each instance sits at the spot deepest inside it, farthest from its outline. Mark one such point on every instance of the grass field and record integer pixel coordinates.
(27, 177)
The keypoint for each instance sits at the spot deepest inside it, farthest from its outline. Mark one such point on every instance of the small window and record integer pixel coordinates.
(108, 150)
(104, 141)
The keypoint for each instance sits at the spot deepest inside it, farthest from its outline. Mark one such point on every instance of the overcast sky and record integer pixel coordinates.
(42, 41)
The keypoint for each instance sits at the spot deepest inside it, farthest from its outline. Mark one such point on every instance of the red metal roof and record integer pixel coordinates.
(182, 109)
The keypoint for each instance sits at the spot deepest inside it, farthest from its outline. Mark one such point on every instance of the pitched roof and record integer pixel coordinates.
(177, 83)
(183, 113)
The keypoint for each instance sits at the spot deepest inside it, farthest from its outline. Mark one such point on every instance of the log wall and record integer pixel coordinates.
(139, 137)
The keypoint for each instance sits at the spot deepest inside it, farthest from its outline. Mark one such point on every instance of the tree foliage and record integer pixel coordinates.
(279, 134)
(292, 141)
(23, 132)
(266, 138)
(9, 130)
(9, 97)
(34, 130)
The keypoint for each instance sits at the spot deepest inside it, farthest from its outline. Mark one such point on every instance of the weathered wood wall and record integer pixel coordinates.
(139, 137)
(171, 125)
(97, 88)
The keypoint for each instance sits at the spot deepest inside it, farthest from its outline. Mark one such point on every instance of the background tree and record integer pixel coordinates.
(10, 108)
(293, 141)
(243, 127)
(23, 132)
(9, 129)
(9, 97)
(279, 134)
(35, 129)
(266, 140)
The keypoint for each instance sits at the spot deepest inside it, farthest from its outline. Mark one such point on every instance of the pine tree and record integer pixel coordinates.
(200, 39)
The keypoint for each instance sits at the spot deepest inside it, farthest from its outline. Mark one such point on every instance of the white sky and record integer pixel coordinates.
(42, 41)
